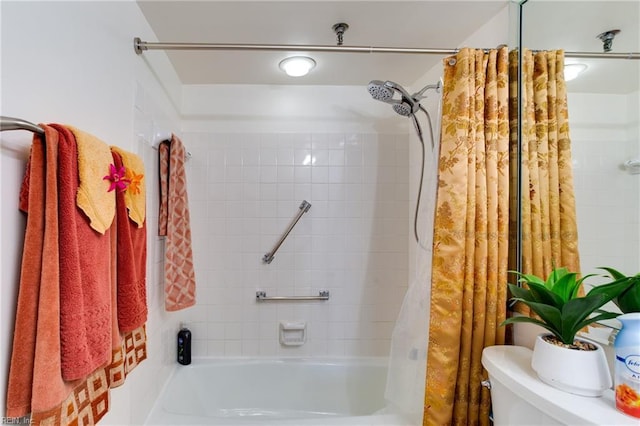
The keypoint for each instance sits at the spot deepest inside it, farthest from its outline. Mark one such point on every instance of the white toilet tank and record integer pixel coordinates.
(519, 398)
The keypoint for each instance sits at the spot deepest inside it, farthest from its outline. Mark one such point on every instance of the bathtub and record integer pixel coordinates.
(275, 392)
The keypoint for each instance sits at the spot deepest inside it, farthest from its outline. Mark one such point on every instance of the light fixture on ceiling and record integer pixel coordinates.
(571, 71)
(297, 66)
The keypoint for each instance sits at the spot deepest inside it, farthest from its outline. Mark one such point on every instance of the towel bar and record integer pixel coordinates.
(262, 296)
(11, 123)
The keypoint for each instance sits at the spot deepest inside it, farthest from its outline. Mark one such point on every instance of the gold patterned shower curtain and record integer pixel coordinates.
(549, 229)
(470, 249)
(474, 235)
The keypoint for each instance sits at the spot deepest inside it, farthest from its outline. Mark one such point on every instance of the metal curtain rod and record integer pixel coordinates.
(139, 46)
(11, 123)
(602, 55)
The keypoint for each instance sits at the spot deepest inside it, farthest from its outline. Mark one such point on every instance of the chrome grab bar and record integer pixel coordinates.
(304, 207)
(262, 296)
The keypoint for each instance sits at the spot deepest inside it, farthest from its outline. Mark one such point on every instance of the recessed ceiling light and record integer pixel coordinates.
(297, 66)
(571, 71)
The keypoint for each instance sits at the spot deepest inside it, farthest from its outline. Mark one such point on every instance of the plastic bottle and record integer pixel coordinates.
(627, 377)
(184, 345)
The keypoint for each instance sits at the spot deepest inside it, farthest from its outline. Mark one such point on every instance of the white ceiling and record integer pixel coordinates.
(396, 23)
(571, 25)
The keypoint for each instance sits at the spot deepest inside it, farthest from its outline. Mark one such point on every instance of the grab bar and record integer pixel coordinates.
(304, 207)
(262, 296)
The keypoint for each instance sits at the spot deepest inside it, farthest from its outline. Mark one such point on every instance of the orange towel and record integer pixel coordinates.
(132, 264)
(85, 275)
(179, 276)
(135, 197)
(35, 383)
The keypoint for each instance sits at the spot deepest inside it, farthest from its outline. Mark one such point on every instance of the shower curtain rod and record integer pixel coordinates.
(11, 123)
(139, 46)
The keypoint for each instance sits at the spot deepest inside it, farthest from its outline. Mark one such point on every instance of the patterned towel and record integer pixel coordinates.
(173, 222)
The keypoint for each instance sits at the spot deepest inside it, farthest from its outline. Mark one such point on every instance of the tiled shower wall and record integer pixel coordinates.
(607, 196)
(245, 189)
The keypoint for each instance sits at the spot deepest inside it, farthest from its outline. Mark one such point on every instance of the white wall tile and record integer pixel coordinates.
(261, 195)
(607, 198)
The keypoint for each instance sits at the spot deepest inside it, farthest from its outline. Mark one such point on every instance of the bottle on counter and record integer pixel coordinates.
(627, 370)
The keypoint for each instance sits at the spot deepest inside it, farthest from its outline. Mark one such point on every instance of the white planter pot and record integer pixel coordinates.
(583, 373)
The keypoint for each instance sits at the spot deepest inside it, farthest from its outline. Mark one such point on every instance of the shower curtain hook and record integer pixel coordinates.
(340, 29)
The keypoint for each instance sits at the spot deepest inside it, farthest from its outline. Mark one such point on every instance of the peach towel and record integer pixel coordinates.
(173, 221)
(35, 382)
(94, 157)
(135, 196)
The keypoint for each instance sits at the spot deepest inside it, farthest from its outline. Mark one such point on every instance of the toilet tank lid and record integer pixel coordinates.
(511, 366)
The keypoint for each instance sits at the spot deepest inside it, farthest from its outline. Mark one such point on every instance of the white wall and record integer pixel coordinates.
(73, 62)
(604, 134)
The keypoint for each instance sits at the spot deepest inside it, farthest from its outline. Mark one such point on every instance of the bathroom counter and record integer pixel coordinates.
(511, 365)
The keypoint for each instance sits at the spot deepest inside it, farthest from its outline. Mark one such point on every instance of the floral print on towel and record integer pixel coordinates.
(117, 178)
(135, 180)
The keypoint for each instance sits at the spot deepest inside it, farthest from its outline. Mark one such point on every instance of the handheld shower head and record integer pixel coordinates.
(384, 91)
(404, 108)
(398, 88)
(379, 91)
(407, 106)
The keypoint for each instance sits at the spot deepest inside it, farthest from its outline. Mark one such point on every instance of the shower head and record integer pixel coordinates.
(404, 108)
(379, 91)
(385, 90)
(407, 104)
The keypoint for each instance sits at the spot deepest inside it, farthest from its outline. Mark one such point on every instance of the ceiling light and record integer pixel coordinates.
(297, 66)
(571, 71)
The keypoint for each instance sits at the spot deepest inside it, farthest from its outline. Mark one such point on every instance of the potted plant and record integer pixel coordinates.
(559, 358)
(628, 300)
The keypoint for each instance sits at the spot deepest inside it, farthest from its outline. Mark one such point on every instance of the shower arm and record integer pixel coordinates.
(420, 95)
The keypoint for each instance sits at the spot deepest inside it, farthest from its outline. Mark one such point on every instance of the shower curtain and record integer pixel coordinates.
(549, 229)
(470, 248)
(476, 211)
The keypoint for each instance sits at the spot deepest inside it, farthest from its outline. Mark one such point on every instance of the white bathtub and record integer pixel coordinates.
(275, 392)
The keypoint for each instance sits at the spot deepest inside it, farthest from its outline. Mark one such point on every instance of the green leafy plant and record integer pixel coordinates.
(558, 305)
(629, 299)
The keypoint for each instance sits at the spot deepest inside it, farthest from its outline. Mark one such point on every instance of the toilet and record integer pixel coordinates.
(518, 397)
